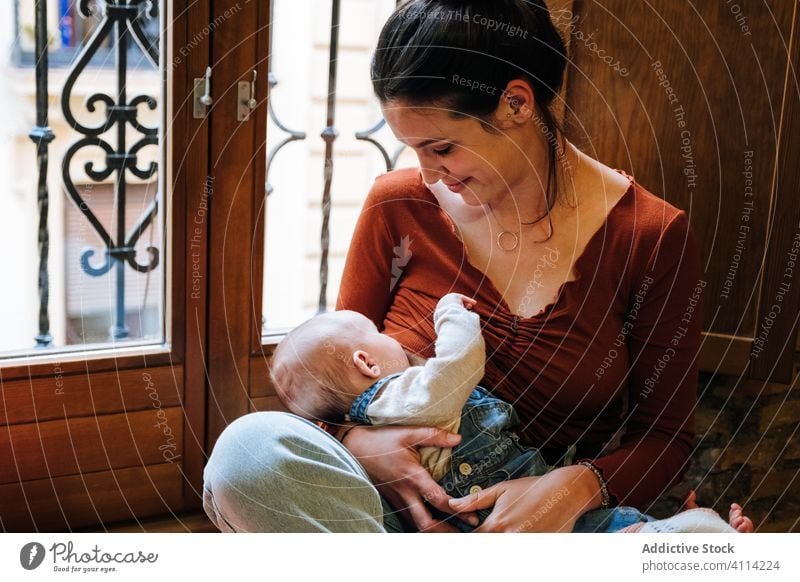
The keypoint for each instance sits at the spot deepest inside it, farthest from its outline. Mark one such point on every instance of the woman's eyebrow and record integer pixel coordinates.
(427, 142)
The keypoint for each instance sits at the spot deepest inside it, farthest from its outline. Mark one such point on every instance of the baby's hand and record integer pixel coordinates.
(468, 302)
(454, 298)
(457, 307)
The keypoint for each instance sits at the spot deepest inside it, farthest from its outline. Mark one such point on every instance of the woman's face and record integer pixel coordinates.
(476, 164)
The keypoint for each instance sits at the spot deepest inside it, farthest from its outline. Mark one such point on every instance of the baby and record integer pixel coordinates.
(338, 366)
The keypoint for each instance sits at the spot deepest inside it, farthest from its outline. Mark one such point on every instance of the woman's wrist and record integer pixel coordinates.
(585, 490)
(344, 429)
(595, 485)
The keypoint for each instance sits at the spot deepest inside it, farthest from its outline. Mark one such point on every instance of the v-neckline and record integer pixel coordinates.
(576, 265)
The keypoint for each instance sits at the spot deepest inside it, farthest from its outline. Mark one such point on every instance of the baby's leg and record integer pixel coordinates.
(736, 517)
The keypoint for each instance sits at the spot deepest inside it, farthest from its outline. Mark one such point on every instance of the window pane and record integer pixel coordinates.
(103, 234)
(300, 58)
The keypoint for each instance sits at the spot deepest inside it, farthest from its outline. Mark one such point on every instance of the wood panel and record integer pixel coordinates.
(696, 86)
(82, 445)
(266, 403)
(67, 503)
(193, 522)
(260, 381)
(725, 354)
(772, 356)
(64, 395)
(68, 418)
(689, 98)
(86, 362)
(260, 118)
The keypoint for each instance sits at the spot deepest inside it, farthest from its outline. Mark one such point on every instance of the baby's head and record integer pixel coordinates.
(323, 364)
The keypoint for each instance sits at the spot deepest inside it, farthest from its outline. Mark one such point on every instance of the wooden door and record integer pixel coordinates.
(700, 102)
(96, 437)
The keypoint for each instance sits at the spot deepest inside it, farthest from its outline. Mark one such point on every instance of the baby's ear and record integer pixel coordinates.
(365, 364)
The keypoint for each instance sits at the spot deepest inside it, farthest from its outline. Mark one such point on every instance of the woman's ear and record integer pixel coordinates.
(366, 365)
(517, 103)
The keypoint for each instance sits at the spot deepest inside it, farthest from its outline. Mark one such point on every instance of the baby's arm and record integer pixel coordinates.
(434, 394)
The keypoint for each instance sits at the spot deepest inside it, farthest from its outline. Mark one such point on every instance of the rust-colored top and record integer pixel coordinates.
(612, 361)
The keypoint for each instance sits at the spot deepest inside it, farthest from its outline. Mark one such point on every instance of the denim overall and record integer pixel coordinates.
(490, 452)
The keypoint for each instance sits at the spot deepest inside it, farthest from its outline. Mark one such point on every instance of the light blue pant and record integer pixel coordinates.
(276, 472)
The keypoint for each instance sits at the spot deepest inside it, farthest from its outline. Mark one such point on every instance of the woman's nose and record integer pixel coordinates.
(432, 171)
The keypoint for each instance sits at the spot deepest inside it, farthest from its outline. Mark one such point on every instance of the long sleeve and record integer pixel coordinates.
(666, 318)
(367, 281)
(435, 393)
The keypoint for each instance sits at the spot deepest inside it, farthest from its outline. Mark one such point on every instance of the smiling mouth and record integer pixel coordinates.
(456, 183)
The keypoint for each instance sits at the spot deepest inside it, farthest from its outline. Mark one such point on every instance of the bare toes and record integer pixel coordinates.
(691, 500)
(738, 520)
(746, 526)
(736, 510)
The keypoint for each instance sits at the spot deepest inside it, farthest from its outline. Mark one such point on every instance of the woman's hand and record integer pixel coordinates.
(551, 503)
(390, 456)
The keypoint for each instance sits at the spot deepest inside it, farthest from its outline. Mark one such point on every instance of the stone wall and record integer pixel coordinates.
(747, 450)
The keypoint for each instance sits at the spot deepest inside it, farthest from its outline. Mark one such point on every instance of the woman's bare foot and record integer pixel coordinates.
(739, 521)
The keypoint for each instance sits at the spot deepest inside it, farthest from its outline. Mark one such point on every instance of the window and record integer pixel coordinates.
(84, 247)
(300, 59)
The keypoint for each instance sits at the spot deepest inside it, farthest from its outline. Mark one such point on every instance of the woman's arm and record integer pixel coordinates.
(390, 456)
(367, 284)
(663, 346)
(550, 503)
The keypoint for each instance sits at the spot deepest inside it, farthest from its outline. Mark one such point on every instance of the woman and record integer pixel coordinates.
(587, 286)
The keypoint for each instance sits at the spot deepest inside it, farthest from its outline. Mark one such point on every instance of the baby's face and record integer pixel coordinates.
(386, 351)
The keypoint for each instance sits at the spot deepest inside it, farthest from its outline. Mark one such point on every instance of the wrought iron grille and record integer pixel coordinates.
(329, 135)
(121, 22)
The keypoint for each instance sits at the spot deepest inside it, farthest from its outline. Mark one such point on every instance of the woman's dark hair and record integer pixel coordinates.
(439, 52)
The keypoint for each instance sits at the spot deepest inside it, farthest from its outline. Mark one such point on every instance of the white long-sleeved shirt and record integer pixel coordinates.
(434, 394)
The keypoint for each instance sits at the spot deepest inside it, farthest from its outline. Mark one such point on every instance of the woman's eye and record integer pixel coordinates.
(444, 151)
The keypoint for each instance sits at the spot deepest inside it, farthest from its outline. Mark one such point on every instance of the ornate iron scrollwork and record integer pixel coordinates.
(366, 135)
(122, 19)
(294, 135)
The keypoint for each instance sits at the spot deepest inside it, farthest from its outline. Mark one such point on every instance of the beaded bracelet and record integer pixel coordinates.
(606, 498)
